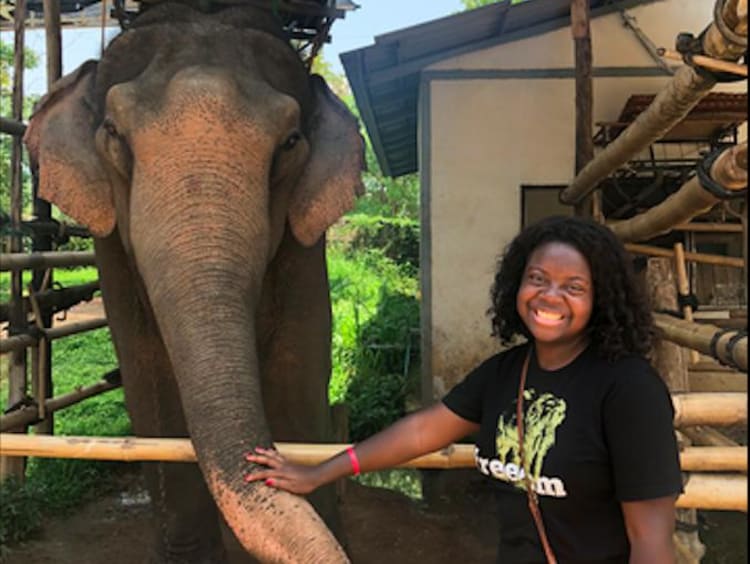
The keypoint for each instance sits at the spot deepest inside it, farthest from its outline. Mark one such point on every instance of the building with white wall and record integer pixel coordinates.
(482, 104)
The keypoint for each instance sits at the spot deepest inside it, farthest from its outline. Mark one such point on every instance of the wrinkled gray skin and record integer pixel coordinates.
(209, 164)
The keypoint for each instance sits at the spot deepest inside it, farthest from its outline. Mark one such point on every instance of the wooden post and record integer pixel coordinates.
(671, 362)
(15, 467)
(584, 136)
(41, 361)
(683, 288)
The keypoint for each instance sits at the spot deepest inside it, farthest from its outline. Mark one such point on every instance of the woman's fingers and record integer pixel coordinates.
(266, 457)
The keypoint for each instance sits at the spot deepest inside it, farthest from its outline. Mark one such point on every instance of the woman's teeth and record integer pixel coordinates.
(548, 315)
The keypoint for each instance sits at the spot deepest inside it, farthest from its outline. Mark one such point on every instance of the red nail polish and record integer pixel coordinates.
(269, 482)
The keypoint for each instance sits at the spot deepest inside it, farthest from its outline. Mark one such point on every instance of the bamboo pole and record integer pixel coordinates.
(12, 127)
(720, 409)
(707, 491)
(17, 374)
(19, 342)
(672, 104)
(707, 227)
(715, 491)
(17, 261)
(29, 414)
(703, 258)
(683, 287)
(706, 62)
(700, 336)
(729, 170)
(150, 449)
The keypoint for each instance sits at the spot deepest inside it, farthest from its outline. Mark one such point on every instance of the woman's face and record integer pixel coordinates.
(556, 295)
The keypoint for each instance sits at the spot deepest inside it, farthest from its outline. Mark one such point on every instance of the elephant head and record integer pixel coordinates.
(194, 150)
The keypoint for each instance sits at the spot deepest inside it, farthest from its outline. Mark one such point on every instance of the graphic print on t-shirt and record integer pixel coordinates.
(542, 417)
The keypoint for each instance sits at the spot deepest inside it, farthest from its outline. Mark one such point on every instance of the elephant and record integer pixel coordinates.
(208, 163)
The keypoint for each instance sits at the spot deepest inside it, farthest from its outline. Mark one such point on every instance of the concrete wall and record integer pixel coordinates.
(492, 122)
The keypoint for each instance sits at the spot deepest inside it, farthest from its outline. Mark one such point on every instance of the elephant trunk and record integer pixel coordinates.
(204, 257)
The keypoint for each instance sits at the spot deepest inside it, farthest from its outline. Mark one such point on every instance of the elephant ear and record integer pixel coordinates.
(333, 175)
(60, 137)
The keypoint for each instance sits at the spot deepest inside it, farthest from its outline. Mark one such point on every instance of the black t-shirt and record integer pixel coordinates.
(596, 433)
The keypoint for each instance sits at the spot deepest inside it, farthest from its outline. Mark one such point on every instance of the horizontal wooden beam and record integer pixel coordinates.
(702, 490)
(134, 449)
(17, 342)
(30, 414)
(19, 261)
(704, 258)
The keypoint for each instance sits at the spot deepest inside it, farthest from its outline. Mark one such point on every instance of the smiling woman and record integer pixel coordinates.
(555, 418)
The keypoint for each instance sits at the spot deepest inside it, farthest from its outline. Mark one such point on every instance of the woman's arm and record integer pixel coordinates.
(650, 524)
(420, 433)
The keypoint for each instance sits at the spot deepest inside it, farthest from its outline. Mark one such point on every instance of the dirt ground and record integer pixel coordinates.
(381, 527)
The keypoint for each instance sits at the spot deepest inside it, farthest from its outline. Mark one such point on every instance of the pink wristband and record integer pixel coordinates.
(354, 460)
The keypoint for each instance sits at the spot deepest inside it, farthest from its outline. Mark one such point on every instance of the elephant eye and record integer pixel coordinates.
(110, 128)
(291, 141)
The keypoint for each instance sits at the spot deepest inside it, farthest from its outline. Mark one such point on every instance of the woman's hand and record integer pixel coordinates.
(280, 473)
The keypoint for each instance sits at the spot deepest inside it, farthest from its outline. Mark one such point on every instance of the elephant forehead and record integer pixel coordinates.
(246, 54)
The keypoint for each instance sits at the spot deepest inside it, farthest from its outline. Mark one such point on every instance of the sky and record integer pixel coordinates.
(356, 30)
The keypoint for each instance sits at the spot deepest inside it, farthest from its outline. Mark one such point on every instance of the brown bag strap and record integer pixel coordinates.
(530, 491)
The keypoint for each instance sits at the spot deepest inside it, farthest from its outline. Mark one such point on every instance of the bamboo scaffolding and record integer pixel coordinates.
(700, 336)
(686, 88)
(30, 414)
(703, 258)
(729, 170)
(20, 261)
(19, 342)
(135, 449)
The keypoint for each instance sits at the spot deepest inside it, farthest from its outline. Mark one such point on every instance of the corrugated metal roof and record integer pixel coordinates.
(385, 76)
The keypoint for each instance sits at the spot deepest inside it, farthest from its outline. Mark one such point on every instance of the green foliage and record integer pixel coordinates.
(20, 512)
(405, 480)
(31, 60)
(397, 238)
(376, 319)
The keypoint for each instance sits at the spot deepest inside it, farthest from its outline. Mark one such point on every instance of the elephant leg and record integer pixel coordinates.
(187, 521)
(295, 346)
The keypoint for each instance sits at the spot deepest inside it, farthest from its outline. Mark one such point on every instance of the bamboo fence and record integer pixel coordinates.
(708, 491)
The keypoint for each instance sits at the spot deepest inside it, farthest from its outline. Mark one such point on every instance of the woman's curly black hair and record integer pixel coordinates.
(620, 323)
